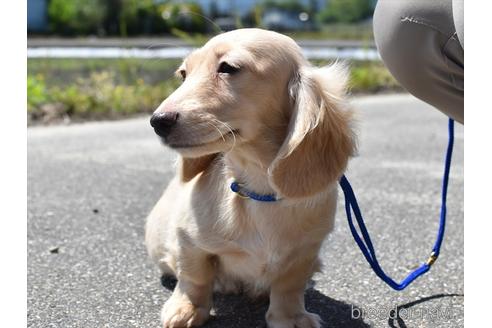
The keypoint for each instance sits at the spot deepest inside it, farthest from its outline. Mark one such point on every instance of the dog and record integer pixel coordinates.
(251, 110)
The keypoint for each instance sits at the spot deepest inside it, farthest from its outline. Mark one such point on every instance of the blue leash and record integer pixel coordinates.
(365, 243)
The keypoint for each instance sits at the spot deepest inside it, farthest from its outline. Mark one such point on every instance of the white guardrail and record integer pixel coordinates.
(180, 52)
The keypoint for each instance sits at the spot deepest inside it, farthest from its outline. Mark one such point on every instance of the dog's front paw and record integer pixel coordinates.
(300, 320)
(183, 314)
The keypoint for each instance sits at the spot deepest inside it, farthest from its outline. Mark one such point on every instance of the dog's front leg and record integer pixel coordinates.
(191, 301)
(286, 308)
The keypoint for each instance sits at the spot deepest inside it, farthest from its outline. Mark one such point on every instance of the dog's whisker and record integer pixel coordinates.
(232, 132)
(218, 130)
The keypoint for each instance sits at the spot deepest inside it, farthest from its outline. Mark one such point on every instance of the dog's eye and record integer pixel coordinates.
(183, 74)
(227, 69)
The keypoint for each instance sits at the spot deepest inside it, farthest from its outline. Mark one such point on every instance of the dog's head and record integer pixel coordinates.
(254, 87)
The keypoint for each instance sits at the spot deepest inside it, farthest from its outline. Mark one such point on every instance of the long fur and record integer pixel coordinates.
(278, 125)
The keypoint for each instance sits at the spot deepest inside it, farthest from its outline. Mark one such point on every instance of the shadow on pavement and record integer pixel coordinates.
(400, 323)
(240, 311)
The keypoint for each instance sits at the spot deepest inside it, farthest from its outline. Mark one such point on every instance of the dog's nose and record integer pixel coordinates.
(163, 122)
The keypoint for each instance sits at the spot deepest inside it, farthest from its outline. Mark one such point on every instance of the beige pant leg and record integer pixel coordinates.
(417, 41)
(459, 20)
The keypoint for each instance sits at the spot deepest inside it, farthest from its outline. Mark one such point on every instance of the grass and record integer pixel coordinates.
(339, 31)
(126, 70)
(87, 89)
(336, 31)
(371, 77)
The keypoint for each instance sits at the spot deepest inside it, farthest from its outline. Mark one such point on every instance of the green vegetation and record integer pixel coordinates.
(287, 5)
(132, 17)
(371, 77)
(124, 17)
(346, 11)
(96, 88)
(64, 71)
(187, 17)
(367, 77)
(336, 31)
(84, 89)
(37, 94)
(76, 17)
(150, 17)
(93, 98)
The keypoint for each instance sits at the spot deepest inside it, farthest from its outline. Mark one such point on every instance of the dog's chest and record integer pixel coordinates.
(259, 251)
(250, 258)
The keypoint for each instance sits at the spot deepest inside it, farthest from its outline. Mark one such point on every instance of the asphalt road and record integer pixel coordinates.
(90, 187)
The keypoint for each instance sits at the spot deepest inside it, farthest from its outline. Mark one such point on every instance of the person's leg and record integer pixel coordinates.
(418, 43)
(458, 12)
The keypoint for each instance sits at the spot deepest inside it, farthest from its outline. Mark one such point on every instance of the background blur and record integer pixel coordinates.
(104, 59)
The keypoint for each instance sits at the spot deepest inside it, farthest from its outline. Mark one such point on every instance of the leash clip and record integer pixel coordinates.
(238, 189)
(432, 259)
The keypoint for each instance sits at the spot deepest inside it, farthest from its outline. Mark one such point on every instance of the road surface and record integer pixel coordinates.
(90, 187)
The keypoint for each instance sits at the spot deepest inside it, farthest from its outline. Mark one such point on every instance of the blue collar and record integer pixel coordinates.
(241, 191)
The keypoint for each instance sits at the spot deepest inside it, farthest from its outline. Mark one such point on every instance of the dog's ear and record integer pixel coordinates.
(191, 167)
(320, 138)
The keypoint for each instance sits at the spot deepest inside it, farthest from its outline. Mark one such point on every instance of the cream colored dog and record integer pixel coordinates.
(251, 109)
